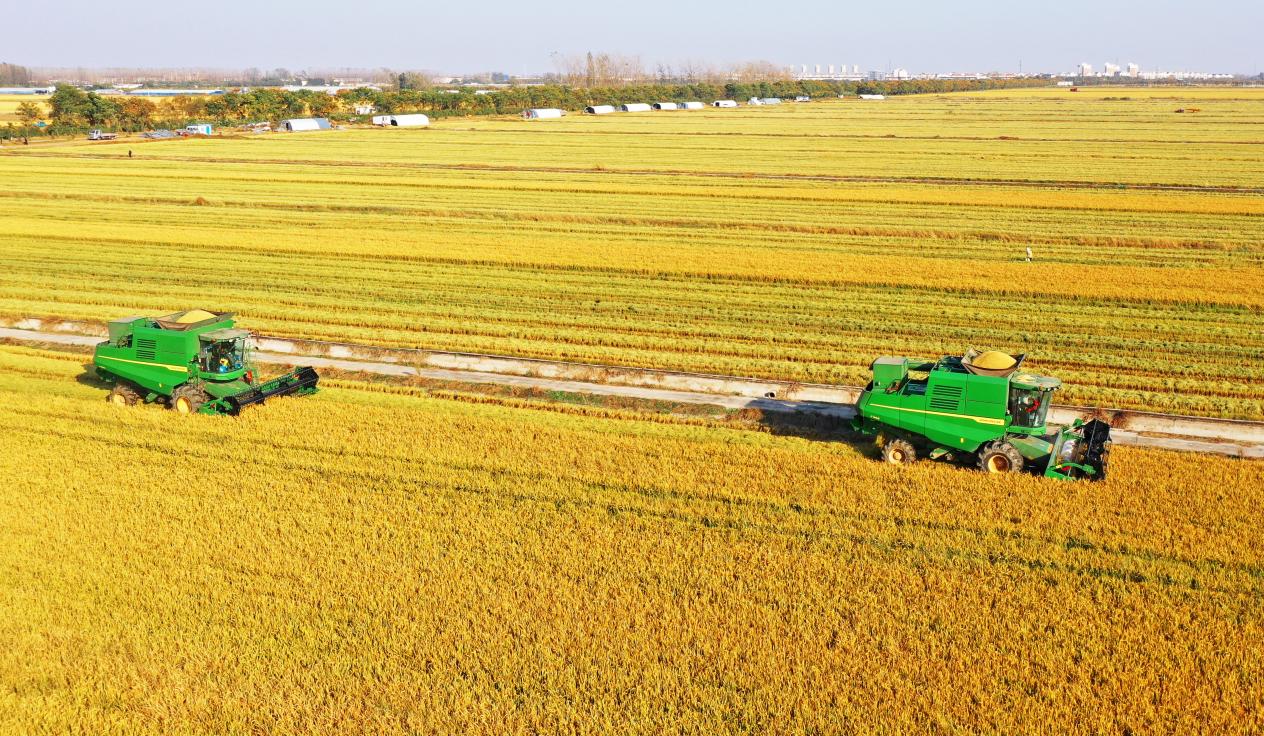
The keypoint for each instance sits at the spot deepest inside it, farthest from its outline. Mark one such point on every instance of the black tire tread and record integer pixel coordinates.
(1016, 460)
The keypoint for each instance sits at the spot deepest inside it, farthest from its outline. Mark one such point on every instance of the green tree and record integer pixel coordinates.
(322, 105)
(69, 105)
(29, 112)
(101, 110)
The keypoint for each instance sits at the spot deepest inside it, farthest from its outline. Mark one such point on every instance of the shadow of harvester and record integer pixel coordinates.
(89, 377)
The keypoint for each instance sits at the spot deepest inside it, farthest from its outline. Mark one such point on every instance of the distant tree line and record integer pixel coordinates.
(439, 102)
(14, 75)
(73, 110)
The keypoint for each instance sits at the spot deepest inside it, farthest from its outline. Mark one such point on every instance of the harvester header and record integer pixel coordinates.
(981, 405)
(197, 361)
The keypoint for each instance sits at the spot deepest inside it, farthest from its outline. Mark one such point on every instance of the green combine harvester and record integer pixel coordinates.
(195, 360)
(980, 406)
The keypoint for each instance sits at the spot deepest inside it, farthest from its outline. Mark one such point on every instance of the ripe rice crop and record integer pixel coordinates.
(370, 559)
(9, 106)
(796, 242)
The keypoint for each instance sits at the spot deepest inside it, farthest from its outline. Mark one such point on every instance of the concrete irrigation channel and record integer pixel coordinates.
(1144, 429)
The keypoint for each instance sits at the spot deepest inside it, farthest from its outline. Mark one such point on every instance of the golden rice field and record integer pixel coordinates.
(373, 560)
(9, 106)
(796, 242)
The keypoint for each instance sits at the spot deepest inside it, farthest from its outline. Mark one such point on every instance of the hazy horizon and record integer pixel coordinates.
(522, 39)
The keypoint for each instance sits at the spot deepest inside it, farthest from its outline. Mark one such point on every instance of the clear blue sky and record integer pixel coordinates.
(517, 37)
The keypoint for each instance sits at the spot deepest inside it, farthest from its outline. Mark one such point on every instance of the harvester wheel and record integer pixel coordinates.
(123, 395)
(188, 399)
(898, 452)
(1000, 457)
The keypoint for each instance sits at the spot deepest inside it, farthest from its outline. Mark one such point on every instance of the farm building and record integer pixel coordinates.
(724, 103)
(770, 101)
(754, 101)
(540, 113)
(599, 109)
(364, 109)
(873, 97)
(295, 125)
(198, 129)
(666, 106)
(381, 119)
(174, 92)
(692, 106)
(635, 107)
(415, 120)
(803, 98)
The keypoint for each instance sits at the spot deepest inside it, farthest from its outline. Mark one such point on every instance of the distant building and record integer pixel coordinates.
(1134, 70)
(173, 92)
(1110, 70)
(329, 89)
(1085, 70)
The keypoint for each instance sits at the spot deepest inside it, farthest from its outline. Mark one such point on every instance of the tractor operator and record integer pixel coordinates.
(223, 359)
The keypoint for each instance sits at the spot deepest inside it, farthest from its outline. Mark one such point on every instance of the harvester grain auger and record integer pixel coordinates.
(979, 405)
(195, 360)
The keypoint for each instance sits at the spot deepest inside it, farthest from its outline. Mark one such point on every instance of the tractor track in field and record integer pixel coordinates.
(739, 175)
(1143, 429)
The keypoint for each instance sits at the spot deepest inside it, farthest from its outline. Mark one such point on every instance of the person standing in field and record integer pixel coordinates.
(1028, 252)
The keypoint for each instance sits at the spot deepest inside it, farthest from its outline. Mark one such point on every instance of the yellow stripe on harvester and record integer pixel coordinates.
(181, 369)
(980, 420)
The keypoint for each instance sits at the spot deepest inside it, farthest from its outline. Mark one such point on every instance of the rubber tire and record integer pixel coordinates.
(187, 399)
(123, 395)
(1000, 457)
(898, 452)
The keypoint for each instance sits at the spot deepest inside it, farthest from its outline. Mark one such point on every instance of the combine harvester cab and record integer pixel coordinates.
(196, 360)
(981, 405)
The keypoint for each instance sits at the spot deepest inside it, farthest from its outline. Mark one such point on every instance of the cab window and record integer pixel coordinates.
(1028, 407)
(223, 356)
